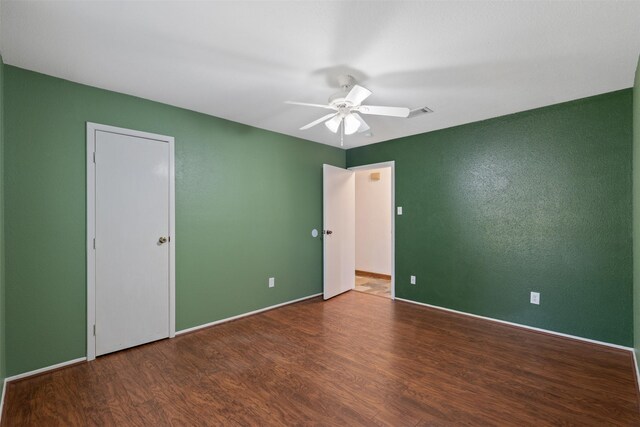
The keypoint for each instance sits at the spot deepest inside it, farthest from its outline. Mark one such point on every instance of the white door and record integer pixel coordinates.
(339, 235)
(131, 254)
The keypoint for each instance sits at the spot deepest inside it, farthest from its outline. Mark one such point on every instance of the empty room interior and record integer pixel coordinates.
(319, 213)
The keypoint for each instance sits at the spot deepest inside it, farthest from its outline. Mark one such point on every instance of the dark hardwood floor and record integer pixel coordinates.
(354, 360)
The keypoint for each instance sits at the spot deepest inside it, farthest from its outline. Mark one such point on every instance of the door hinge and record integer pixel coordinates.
(94, 157)
(94, 243)
(94, 330)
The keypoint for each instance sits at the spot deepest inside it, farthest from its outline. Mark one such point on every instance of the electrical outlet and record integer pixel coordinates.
(272, 282)
(399, 210)
(535, 298)
(413, 280)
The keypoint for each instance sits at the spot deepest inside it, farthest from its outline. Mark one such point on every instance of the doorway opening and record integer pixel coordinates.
(374, 229)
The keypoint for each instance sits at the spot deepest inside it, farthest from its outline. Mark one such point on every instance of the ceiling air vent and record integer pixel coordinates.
(420, 111)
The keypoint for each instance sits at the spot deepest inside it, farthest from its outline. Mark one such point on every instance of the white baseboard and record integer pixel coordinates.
(45, 369)
(519, 325)
(635, 369)
(228, 319)
(240, 316)
(30, 373)
(184, 331)
(4, 388)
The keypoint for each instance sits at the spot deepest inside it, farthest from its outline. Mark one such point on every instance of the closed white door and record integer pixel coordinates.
(131, 241)
(339, 235)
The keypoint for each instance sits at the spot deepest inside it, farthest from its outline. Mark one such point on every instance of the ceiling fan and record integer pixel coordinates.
(347, 106)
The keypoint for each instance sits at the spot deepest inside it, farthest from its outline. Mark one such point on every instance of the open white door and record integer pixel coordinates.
(339, 234)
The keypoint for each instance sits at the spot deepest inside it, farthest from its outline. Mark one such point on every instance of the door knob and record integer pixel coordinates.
(162, 240)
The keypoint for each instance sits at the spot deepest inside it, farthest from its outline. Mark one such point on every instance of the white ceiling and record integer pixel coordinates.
(241, 60)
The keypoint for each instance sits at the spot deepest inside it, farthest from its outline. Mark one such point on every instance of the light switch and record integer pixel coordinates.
(399, 210)
(535, 298)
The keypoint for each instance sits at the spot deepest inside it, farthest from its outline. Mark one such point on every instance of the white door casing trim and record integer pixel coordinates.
(92, 128)
(390, 164)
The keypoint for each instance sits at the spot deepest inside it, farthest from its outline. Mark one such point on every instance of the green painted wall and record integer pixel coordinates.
(246, 201)
(2, 286)
(636, 214)
(535, 201)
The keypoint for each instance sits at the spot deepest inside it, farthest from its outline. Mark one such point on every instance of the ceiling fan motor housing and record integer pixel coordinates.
(346, 83)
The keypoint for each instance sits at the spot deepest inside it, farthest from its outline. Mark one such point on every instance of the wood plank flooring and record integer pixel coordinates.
(354, 360)
(373, 286)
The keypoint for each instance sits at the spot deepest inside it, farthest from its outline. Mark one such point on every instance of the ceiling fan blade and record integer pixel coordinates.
(384, 111)
(306, 104)
(334, 123)
(357, 94)
(316, 122)
(363, 125)
(351, 124)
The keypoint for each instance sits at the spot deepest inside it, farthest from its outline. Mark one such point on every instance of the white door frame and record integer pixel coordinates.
(92, 128)
(391, 164)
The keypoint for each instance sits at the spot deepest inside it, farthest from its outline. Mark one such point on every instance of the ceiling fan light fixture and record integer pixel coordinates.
(363, 125)
(351, 124)
(334, 123)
